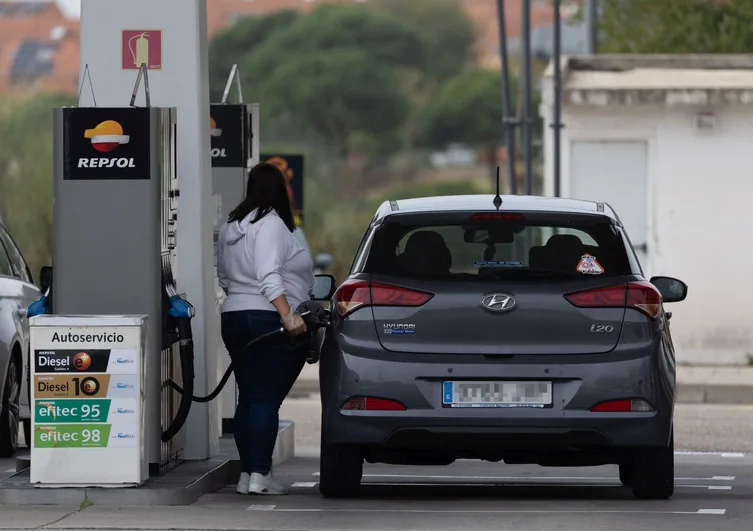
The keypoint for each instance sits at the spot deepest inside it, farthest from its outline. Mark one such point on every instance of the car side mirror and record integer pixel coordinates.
(45, 278)
(324, 288)
(671, 289)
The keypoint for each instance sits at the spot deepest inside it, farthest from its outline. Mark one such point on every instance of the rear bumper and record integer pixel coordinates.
(567, 425)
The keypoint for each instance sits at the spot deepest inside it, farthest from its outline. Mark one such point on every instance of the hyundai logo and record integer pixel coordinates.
(499, 302)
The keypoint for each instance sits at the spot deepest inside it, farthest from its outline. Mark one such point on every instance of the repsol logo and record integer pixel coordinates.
(104, 162)
(218, 153)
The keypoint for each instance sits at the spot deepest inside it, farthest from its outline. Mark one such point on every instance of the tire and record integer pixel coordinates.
(340, 471)
(653, 476)
(9, 411)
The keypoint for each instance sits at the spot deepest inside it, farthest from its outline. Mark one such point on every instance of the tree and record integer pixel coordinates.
(337, 93)
(386, 39)
(676, 26)
(446, 30)
(231, 45)
(26, 168)
(467, 109)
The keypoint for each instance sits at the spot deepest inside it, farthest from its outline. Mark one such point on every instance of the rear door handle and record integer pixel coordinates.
(641, 247)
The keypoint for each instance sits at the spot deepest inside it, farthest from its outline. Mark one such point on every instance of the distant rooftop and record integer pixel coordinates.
(655, 79)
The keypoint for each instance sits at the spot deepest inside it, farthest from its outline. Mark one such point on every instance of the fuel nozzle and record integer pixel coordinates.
(313, 314)
(316, 318)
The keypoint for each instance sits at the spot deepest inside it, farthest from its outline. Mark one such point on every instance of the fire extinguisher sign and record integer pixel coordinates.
(142, 46)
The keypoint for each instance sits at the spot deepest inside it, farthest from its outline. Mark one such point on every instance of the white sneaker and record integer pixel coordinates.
(243, 483)
(265, 485)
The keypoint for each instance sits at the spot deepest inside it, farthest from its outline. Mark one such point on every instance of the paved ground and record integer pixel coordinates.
(712, 492)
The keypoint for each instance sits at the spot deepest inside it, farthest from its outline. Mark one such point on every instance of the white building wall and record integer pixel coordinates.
(700, 214)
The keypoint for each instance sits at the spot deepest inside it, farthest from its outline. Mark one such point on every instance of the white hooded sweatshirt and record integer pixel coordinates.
(258, 262)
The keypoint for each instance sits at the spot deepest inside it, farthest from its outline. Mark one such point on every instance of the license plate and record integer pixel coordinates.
(497, 394)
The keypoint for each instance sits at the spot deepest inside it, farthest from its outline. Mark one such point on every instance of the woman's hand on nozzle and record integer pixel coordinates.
(294, 324)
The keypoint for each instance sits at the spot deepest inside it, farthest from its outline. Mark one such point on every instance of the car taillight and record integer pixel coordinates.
(366, 403)
(354, 294)
(623, 406)
(640, 295)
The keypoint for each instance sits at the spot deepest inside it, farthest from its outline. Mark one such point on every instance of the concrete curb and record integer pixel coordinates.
(714, 394)
(174, 488)
(687, 393)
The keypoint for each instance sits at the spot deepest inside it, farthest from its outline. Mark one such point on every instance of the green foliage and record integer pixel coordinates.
(676, 26)
(232, 44)
(327, 28)
(336, 93)
(467, 108)
(26, 169)
(447, 32)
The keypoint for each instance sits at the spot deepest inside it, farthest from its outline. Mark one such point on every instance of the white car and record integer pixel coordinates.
(17, 292)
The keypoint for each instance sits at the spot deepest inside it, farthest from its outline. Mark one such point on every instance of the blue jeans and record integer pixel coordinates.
(264, 373)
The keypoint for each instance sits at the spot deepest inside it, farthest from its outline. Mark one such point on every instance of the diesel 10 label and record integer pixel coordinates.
(85, 386)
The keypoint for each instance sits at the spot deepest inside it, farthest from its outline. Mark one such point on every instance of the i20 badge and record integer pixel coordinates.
(499, 302)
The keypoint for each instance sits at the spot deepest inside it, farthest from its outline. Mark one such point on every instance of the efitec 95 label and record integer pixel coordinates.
(71, 410)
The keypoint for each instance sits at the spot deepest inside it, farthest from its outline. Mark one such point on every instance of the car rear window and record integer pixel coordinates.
(465, 246)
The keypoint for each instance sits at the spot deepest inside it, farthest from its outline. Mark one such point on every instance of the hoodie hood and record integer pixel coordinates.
(236, 230)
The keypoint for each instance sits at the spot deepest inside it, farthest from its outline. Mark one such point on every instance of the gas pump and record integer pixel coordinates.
(115, 211)
(234, 135)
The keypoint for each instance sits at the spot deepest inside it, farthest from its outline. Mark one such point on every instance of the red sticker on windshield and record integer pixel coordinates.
(588, 265)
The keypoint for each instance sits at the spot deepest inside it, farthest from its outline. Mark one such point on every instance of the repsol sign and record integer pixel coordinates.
(101, 143)
(230, 135)
(106, 163)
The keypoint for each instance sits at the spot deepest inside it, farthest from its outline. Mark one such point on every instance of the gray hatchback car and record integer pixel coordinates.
(526, 334)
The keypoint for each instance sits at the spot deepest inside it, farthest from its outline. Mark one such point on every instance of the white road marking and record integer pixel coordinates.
(721, 454)
(525, 484)
(501, 478)
(305, 484)
(720, 487)
(261, 508)
(497, 511)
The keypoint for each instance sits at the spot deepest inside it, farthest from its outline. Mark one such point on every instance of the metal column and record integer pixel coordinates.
(508, 121)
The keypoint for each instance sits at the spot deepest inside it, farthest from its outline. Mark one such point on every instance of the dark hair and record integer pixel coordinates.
(266, 191)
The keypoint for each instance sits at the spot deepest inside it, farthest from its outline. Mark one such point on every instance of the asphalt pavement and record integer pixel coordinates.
(712, 492)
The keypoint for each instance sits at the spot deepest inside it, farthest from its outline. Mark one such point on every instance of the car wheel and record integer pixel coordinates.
(653, 476)
(340, 471)
(9, 411)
